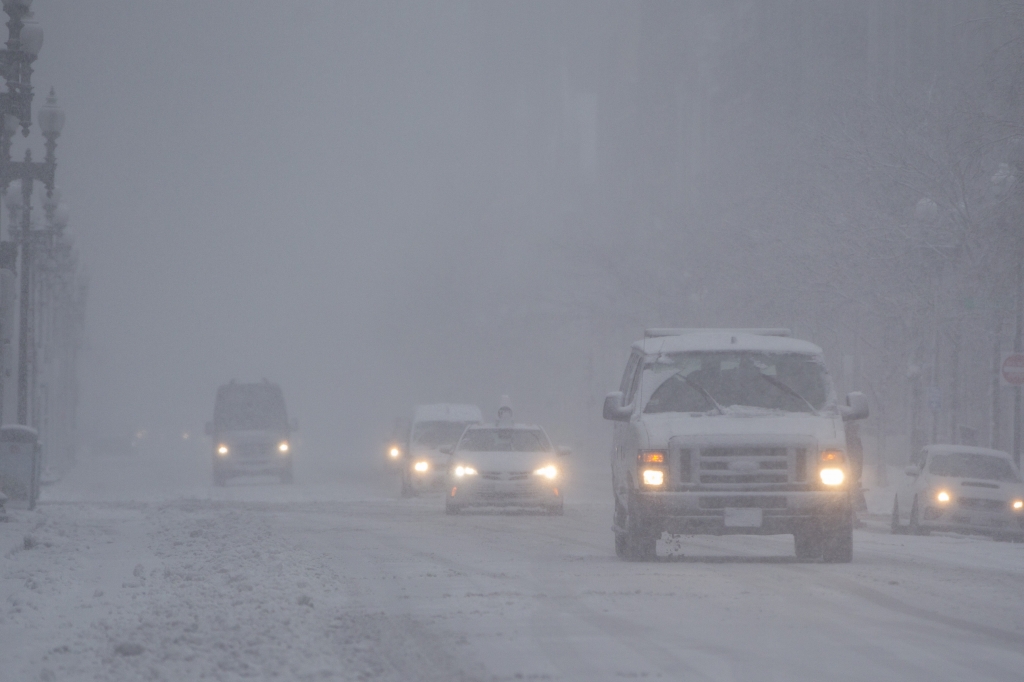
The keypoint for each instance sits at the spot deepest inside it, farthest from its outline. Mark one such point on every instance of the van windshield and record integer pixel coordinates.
(437, 434)
(250, 407)
(972, 465)
(696, 381)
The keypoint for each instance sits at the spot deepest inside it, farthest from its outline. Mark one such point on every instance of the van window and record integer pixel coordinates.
(627, 376)
(249, 407)
(695, 381)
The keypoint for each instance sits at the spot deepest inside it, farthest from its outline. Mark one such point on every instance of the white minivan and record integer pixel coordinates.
(721, 431)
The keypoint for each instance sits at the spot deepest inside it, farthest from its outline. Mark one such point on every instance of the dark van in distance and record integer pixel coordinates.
(251, 432)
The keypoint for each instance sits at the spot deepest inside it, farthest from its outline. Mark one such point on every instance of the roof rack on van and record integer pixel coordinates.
(656, 332)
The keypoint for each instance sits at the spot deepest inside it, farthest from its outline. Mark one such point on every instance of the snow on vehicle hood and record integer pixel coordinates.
(505, 461)
(661, 427)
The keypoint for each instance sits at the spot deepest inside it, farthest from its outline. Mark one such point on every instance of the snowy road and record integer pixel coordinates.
(342, 581)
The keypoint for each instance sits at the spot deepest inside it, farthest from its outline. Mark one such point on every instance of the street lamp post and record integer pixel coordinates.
(23, 44)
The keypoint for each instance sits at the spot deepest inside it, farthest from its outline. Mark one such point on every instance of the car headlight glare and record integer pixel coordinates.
(653, 477)
(832, 476)
(421, 466)
(394, 453)
(462, 470)
(283, 447)
(1018, 505)
(222, 450)
(942, 497)
(549, 472)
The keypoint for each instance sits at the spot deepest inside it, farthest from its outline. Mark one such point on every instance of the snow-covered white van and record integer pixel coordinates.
(721, 431)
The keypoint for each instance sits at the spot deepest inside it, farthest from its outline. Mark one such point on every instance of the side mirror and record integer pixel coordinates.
(447, 449)
(856, 407)
(563, 451)
(293, 424)
(912, 470)
(209, 428)
(614, 409)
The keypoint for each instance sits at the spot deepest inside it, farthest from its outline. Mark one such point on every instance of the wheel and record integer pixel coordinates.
(915, 523)
(642, 547)
(622, 545)
(219, 477)
(837, 545)
(451, 509)
(556, 510)
(807, 544)
(894, 523)
(636, 543)
(286, 475)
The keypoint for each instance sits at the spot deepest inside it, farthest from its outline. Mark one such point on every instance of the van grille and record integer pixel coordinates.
(748, 465)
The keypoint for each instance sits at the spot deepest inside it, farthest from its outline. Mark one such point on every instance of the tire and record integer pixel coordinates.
(915, 523)
(452, 509)
(219, 477)
(807, 545)
(286, 475)
(556, 510)
(636, 543)
(622, 545)
(837, 545)
(894, 523)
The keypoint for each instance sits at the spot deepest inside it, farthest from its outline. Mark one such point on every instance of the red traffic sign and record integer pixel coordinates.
(1012, 371)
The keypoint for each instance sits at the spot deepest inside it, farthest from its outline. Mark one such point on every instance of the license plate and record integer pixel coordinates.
(743, 518)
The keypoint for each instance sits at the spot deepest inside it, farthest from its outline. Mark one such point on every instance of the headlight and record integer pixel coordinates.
(653, 477)
(461, 471)
(421, 467)
(283, 447)
(832, 476)
(222, 450)
(1018, 505)
(549, 472)
(395, 453)
(832, 471)
(942, 497)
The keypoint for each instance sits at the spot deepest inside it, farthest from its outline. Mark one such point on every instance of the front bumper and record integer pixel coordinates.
(432, 479)
(740, 513)
(244, 466)
(972, 521)
(475, 491)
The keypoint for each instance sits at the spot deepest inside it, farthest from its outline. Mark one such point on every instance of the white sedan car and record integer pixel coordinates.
(959, 488)
(505, 466)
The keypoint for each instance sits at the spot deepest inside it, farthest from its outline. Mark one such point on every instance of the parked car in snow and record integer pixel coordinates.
(505, 465)
(251, 432)
(730, 432)
(960, 488)
(433, 428)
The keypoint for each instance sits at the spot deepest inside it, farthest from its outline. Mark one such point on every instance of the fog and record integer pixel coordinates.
(379, 204)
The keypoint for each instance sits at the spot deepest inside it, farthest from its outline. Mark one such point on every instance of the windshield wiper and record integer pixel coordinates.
(778, 384)
(703, 392)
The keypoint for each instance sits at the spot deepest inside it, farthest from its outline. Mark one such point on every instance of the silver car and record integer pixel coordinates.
(960, 488)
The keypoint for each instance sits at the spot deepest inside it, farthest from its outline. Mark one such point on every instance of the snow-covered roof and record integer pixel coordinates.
(724, 340)
(445, 412)
(947, 449)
